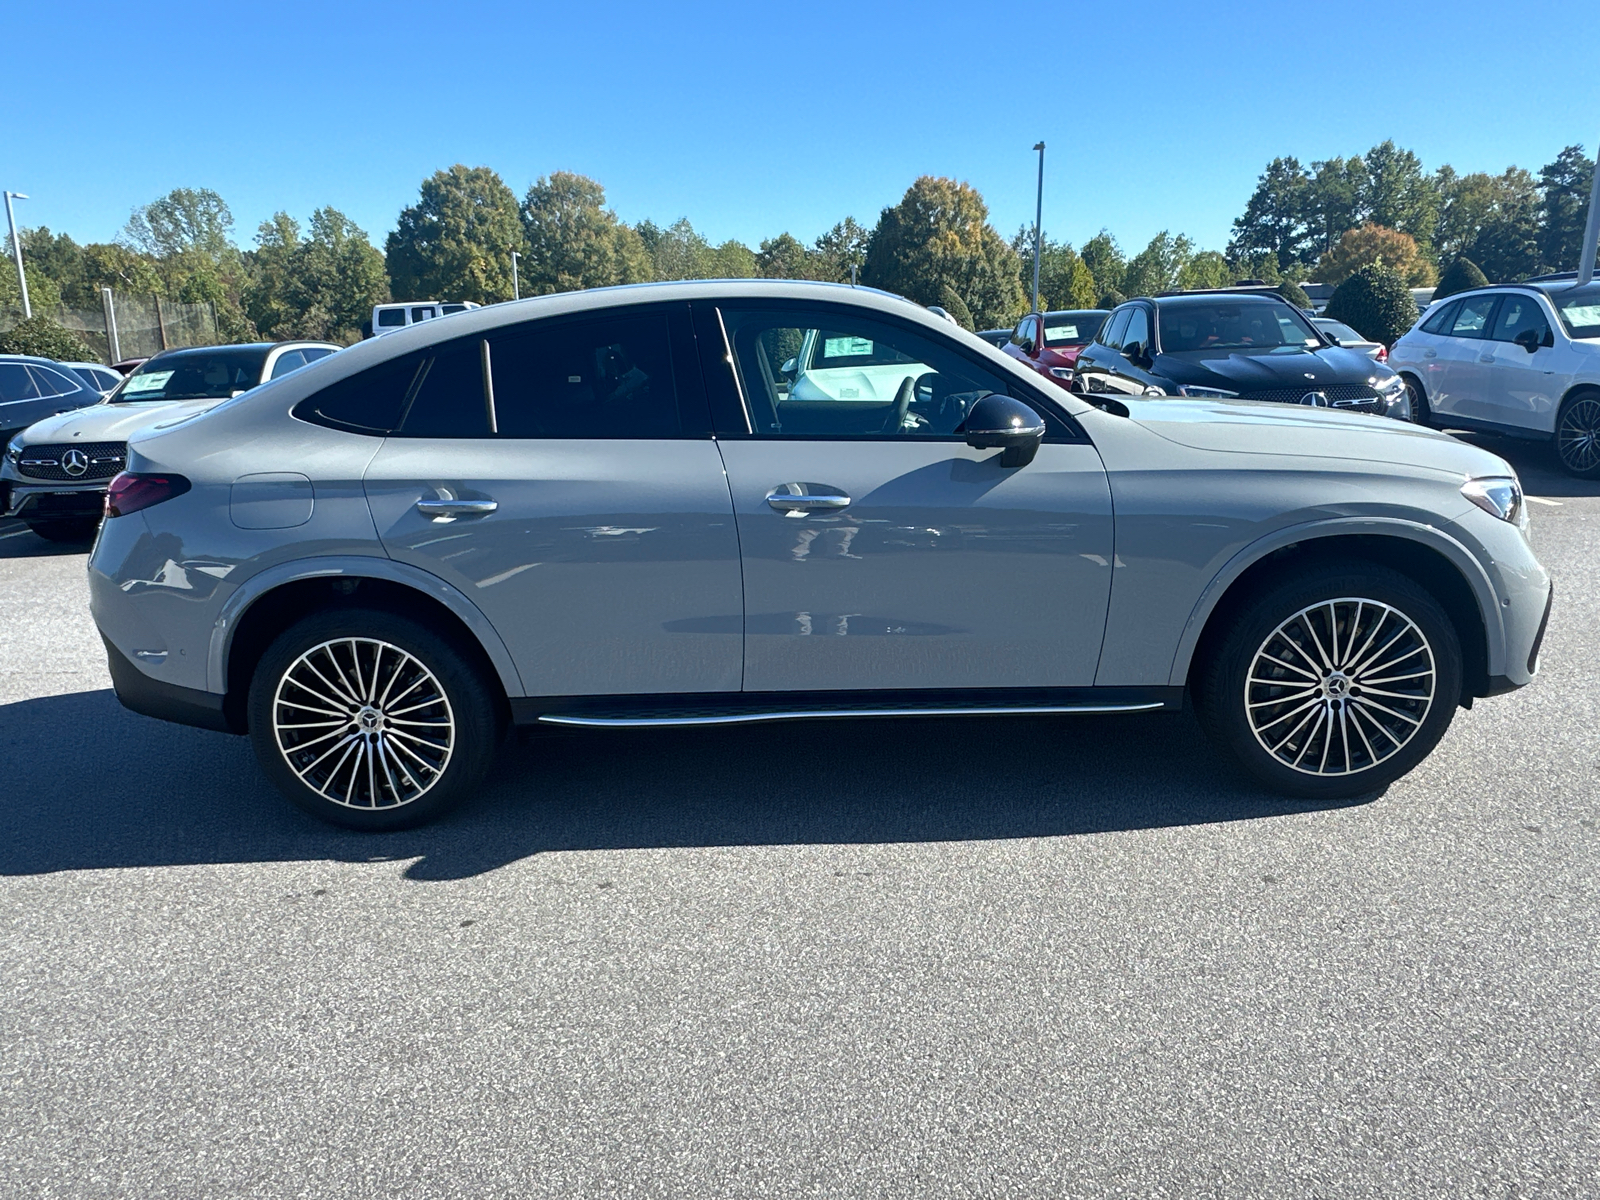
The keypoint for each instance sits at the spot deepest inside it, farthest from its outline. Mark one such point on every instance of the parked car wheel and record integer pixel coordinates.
(369, 720)
(1420, 413)
(1334, 683)
(1578, 435)
(80, 531)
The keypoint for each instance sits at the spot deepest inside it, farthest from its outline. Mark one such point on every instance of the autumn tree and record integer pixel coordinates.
(1376, 244)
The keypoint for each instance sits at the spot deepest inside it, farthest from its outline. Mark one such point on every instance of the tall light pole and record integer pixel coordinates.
(1591, 231)
(516, 287)
(1038, 221)
(16, 250)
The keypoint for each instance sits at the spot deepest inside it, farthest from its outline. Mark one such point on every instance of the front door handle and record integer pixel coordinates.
(1485, 358)
(456, 508)
(1430, 354)
(798, 499)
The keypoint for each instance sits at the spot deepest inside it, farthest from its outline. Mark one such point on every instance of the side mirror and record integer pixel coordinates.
(789, 368)
(999, 422)
(1528, 339)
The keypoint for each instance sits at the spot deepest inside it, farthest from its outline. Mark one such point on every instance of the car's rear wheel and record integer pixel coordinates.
(78, 530)
(1578, 435)
(369, 720)
(1334, 683)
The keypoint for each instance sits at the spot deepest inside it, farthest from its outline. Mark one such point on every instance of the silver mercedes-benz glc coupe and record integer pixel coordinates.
(714, 502)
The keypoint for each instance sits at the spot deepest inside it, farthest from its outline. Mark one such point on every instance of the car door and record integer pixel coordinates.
(1524, 386)
(1097, 360)
(1462, 377)
(879, 551)
(1129, 373)
(561, 474)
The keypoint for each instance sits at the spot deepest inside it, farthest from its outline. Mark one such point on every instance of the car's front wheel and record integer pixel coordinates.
(1578, 435)
(1333, 683)
(369, 720)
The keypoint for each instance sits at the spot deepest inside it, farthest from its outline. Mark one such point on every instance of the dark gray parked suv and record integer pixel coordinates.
(714, 502)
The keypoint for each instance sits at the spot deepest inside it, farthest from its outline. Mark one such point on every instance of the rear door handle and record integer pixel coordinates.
(797, 499)
(1485, 358)
(456, 508)
(1430, 354)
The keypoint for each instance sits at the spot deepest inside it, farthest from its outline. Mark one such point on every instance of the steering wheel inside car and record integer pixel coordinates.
(896, 421)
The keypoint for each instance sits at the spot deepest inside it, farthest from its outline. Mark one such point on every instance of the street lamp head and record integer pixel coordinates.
(18, 195)
(1038, 145)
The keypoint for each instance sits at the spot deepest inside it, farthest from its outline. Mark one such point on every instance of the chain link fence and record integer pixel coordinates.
(132, 326)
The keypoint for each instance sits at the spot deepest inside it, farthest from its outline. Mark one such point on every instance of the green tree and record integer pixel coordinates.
(455, 243)
(783, 257)
(1207, 269)
(1158, 266)
(938, 235)
(184, 220)
(1376, 303)
(734, 260)
(574, 241)
(1398, 195)
(1507, 248)
(108, 264)
(842, 247)
(1564, 187)
(1274, 218)
(1468, 204)
(1460, 275)
(322, 287)
(46, 337)
(1105, 262)
(43, 294)
(1333, 201)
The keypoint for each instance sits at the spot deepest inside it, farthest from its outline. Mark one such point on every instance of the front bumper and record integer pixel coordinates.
(52, 501)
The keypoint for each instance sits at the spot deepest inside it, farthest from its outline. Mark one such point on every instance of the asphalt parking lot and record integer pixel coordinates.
(959, 957)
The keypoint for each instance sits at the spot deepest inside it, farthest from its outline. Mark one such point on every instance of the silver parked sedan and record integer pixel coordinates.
(701, 503)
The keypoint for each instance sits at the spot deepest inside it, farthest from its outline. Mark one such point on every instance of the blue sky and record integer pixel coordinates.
(755, 118)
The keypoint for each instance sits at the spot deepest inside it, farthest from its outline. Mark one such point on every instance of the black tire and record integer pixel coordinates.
(1372, 605)
(80, 530)
(389, 777)
(1421, 414)
(1577, 436)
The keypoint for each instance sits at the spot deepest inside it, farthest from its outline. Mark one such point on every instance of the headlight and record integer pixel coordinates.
(1189, 389)
(14, 450)
(1497, 496)
(1061, 372)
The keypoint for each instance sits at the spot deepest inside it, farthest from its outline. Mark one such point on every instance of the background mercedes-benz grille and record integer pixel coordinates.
(44, 462)
(1341, 395)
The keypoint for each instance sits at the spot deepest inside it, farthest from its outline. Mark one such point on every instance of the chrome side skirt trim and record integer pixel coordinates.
(814, 714)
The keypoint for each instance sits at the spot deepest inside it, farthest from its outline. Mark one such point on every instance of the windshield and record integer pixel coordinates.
(1233, 325)
(1072, 328)
(194, 375)
(1580, 310)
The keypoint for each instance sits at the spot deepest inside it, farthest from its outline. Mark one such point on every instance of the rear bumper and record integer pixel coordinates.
(165, 701)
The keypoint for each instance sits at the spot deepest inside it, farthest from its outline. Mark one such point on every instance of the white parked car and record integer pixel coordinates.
(1522, 360)
(55, 472)
(1350, 339)
(386, 318)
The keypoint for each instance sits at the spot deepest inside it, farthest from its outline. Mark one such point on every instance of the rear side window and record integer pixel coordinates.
(1441, 321)
(368, 402)
(54, 383)
(389, 318)
(446, 397)
(608, 377)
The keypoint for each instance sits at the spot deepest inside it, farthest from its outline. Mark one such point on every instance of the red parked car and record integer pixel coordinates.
(1049, 342)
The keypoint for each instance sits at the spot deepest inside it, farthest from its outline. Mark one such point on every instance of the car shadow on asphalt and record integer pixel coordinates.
(18, 541)
(93, 786)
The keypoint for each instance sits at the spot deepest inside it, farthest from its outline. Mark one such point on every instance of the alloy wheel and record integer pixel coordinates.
(1340, 686)
(1578, 435)
(363, 723)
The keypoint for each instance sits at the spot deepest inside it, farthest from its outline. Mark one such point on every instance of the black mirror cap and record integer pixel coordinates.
(1529, 340)
(1003, 423)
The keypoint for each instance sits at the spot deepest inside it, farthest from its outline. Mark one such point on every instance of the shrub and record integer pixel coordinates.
(45, 337)
(950, 300)
(1376, 303)
(1459, 276)
(1111, 299)
(1294, 294)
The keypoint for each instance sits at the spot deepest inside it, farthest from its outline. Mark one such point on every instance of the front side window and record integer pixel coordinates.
(839, 373)
(1119, 324)
(291, 360)
(1519, 314)
(1023, 337)
(1136, 339)
(1472, 319)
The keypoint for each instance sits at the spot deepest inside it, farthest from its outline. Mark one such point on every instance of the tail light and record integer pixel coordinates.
(1383, 354)
(129, 492)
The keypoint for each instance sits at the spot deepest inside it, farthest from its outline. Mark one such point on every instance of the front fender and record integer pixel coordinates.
(1463, 560)
(354, 567)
